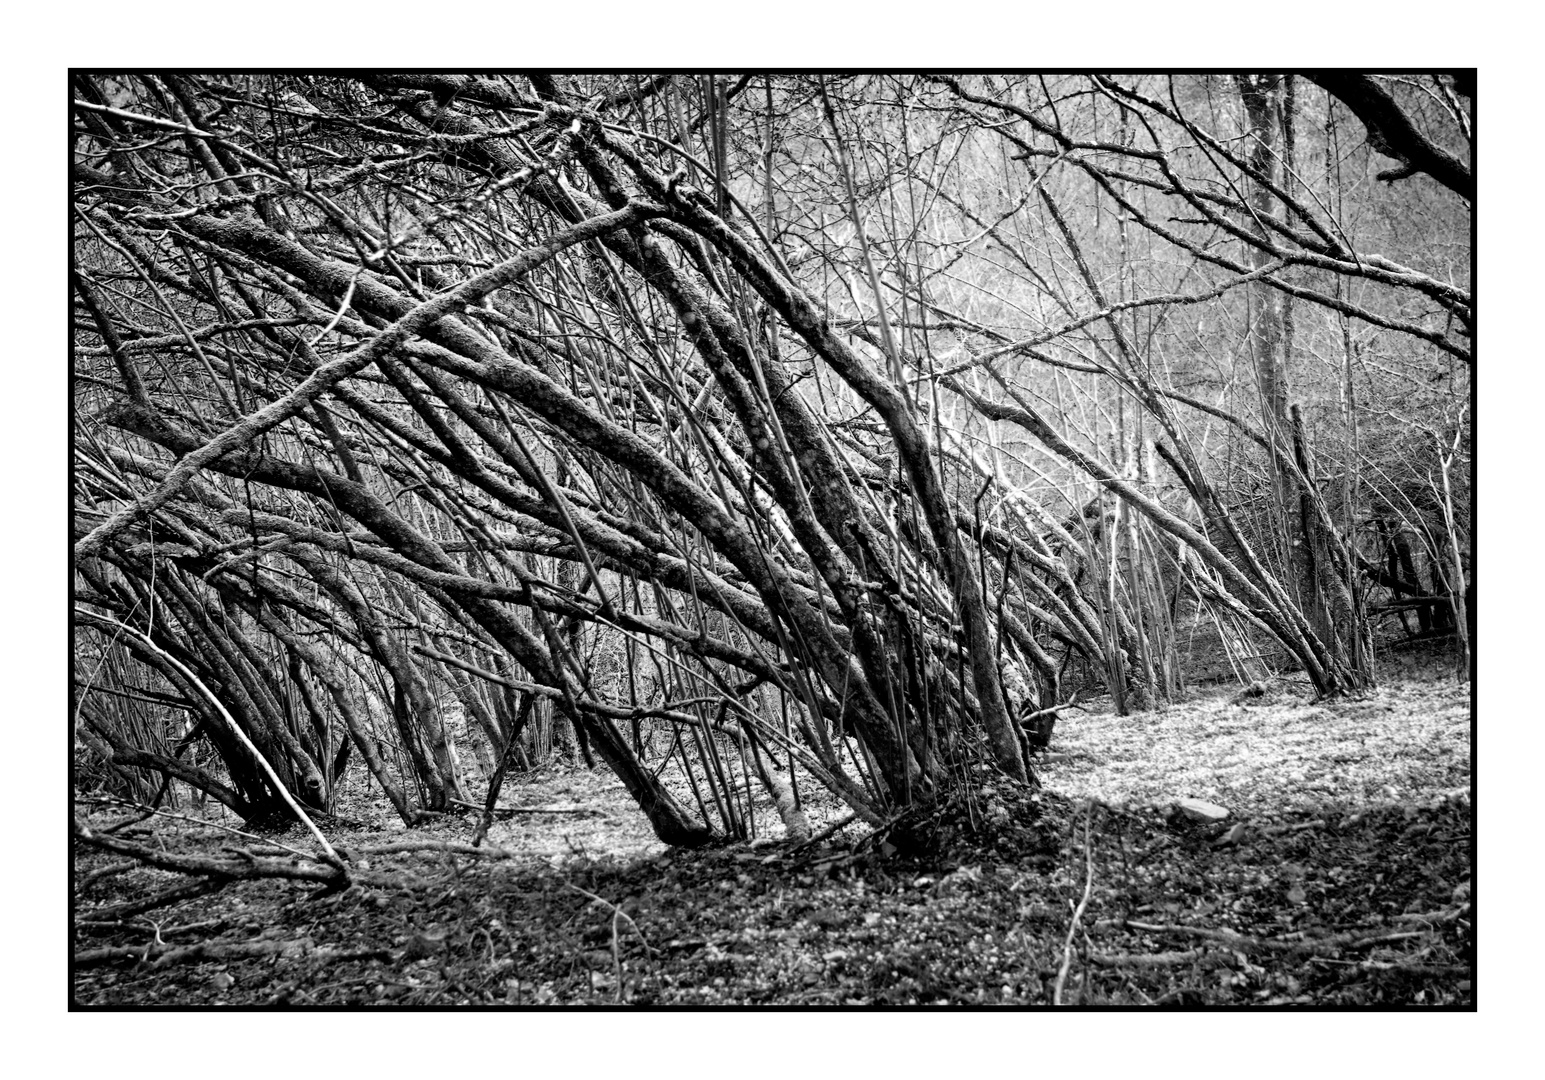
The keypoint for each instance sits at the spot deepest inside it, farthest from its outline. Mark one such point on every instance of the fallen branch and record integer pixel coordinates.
(239, 865)
(449, 847)
(176, 894)
(161, 955)
(154, 811)
(1439, 970)
(107, 871)
(510, 811)
(1434, 917)
(1167, 959)
(1380, 939)
(1228, 937)
(1351, 940)
(1276, 830)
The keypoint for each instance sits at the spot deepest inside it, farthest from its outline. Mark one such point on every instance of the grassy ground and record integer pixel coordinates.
(1341, 876)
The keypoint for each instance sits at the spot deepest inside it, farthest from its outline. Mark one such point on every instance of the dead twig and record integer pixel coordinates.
(602, 900)
(1078, 912)
(1167, 959)
(617, 914)
(1381, 939)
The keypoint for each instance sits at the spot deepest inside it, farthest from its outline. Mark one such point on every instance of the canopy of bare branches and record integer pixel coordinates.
(772, 430)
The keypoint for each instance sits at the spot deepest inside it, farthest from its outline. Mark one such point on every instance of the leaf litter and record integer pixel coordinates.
(1341, 876)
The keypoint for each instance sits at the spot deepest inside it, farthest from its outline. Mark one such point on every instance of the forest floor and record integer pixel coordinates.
(1341, 876)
